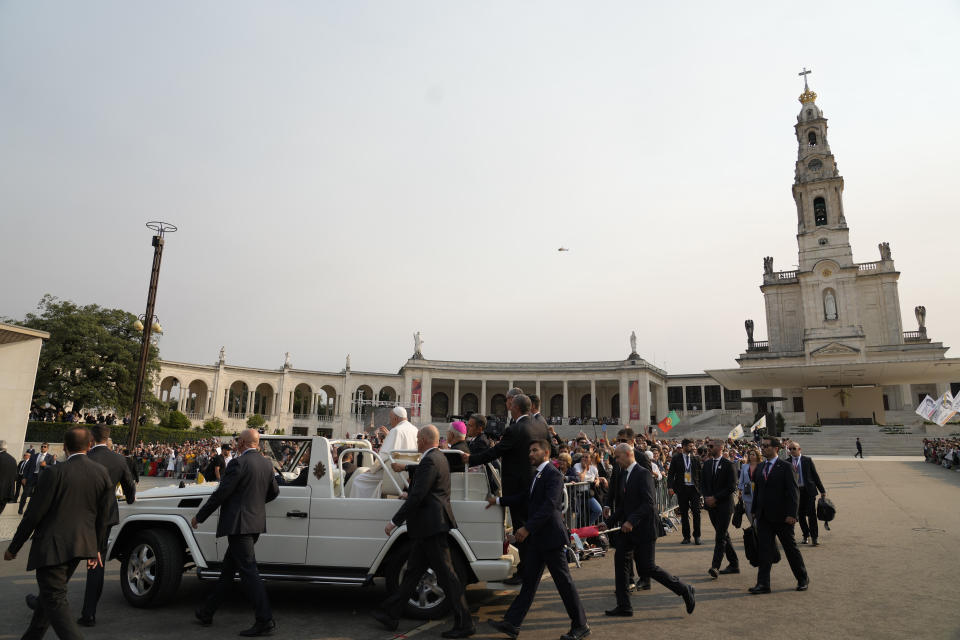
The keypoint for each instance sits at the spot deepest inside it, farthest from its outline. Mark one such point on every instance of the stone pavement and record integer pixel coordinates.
(887, 569)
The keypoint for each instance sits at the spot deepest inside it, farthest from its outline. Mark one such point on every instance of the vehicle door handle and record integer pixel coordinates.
(297, 514)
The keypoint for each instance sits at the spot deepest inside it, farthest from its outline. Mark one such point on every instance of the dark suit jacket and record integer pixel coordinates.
(427, 510)
(544, 505)
(811, 479)
(245, 487)
(31, 472)
(615, 492)
(8, 476)
(638, 505)
(478, 445)
(67, 514)
(456, 462)
(22, 468)
(721, 486)
(677, 469)
(777, 496)
(119, 472)
(514, 452)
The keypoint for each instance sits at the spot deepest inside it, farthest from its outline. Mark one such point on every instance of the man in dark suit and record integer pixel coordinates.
(8, 476)
(245, 487)
(809, 481)
(21, 474)
(68, 520)
(637, 515)
(615, 495)
(39, 462)
(514, 453)
(545, 537)
(683, 479)
(775, 503)
(119, 472)
(535, 411)
(719, 484)
(429, 516)
(478, 442)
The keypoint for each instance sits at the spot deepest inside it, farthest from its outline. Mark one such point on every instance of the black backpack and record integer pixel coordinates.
(826, 511)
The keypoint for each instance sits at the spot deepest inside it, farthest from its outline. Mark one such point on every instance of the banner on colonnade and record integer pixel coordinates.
(634, 399)
(416, 391)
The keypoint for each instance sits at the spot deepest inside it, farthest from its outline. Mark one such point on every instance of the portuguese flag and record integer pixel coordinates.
(669, 422)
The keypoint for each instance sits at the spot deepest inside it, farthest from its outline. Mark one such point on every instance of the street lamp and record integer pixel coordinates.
(148, 323)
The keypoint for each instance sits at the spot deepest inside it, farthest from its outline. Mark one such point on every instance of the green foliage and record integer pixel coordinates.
(256, 421)
(53, 432)
(213, 425)
(279, 432)
(91, 357)
(177, 420)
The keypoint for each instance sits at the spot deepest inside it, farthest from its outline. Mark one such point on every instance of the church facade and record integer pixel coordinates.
(836, 349)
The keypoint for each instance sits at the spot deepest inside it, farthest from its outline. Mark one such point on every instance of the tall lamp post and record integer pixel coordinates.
(149, 323)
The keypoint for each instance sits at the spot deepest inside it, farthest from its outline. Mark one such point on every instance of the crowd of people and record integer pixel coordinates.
(52, 414)
(943, 451)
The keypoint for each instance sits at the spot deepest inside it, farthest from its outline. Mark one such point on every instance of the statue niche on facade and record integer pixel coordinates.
(830, 305)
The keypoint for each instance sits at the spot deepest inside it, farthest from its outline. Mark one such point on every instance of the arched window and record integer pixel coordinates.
(812, 138)
(819, 211)
(440, 405)
(556, 406)
(498, 405)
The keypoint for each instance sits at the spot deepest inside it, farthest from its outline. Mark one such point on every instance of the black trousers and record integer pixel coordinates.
(93, 588)
(240, 558)
(19, 486)
(432, 552)
(26, 493)
(807, 514)
(643, 553)
(722, 546)
(688, 499)
(767, 533)
(533, 564)
(53, 610)
(859, 453)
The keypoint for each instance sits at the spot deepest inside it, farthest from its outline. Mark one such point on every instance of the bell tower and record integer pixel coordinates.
(818, 190)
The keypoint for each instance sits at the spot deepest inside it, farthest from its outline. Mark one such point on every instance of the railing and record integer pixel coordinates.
(304, 416)
(786, 275)
(237, 415)
(869, 266)
(915, 336)
(759, 345)
(193, 415)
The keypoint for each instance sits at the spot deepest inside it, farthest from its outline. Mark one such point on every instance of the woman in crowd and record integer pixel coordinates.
(587, 471)
(747, 482)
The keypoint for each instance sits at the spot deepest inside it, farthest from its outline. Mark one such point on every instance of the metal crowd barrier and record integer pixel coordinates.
(576, 511)
(665, 502)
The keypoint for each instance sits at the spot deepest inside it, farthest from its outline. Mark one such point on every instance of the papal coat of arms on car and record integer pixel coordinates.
(319, 471)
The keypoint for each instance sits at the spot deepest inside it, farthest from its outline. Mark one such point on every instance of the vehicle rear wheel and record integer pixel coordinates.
(151, 568)
(428, 601)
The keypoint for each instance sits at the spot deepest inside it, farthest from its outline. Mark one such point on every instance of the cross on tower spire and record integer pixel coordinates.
(805, 73)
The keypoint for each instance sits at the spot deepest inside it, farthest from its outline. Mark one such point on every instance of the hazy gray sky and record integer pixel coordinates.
(346, 173)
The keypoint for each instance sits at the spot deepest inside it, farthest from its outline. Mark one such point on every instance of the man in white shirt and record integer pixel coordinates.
(401, 437)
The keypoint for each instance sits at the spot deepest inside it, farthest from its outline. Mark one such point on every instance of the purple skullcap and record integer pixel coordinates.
(459, 426)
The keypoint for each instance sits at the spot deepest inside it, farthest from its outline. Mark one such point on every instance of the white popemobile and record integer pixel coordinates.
(315, 533)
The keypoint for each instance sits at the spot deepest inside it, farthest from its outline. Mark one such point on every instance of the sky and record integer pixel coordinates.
(344, 174)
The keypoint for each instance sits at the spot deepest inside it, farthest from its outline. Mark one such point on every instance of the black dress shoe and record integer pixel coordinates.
(504, 627)
(515, 579)
(31, 601)
(730, 569)
(576, 634)
(689, 598)
(714, 572)
(803, 585)
(259, 629)
(645, 585)
(697, 541)
(631, 587)
(459, 632)
(384, 618)
(87, 622)
(204, 616)
(619, 611)
(804, 541)
(760, 588)
(815, 543)
(685, 541)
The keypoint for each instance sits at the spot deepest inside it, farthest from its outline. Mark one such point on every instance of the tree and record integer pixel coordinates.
(256, 421)
(214, 426)
(91, 357)
(176, 420)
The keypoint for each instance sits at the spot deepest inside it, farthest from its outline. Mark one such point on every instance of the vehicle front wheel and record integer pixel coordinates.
(151, 568)
(428, 601)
